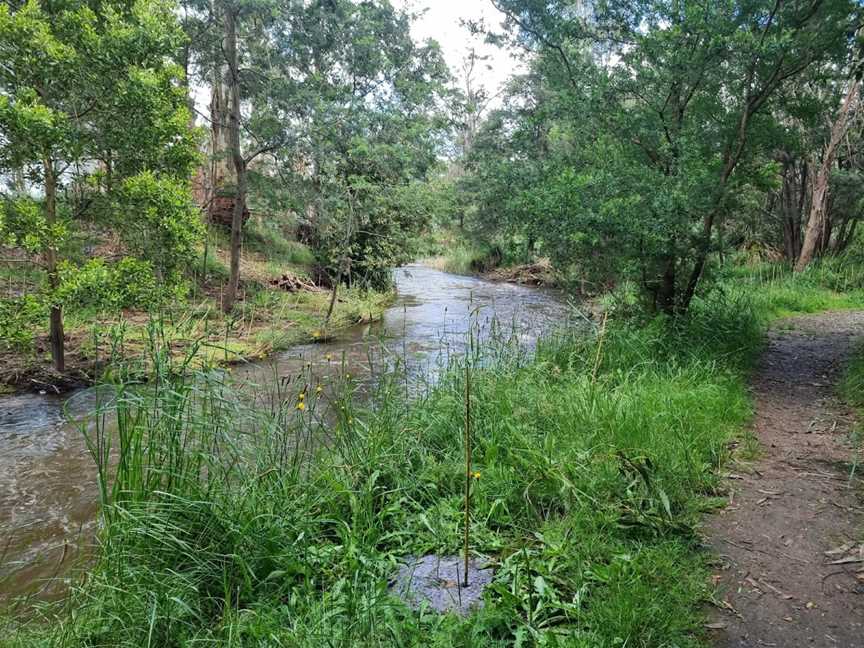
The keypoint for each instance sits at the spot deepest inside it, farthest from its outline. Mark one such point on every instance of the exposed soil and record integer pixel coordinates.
(790, 540)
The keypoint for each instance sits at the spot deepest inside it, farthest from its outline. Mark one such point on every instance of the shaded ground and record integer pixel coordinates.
(791, 567)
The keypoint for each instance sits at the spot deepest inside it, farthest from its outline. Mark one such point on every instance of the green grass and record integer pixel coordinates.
(234, 527)
(835, 283)
(452, 250)
(231, 525)
(852, 391)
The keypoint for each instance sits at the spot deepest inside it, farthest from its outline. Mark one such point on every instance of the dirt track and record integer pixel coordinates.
(790, 541)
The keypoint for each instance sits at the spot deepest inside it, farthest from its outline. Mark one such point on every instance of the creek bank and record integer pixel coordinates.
(254, 333)
(48, 489)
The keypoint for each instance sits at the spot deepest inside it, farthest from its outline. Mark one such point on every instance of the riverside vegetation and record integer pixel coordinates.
(597, 456)
(105, 296)
(695, 168)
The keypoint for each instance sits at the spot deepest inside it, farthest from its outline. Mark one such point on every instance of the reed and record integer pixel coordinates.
(226, 523)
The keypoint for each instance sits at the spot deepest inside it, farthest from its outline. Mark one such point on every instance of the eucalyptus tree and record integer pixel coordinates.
(658, 110)
(360, 104)
(93, 119)
(817, 234)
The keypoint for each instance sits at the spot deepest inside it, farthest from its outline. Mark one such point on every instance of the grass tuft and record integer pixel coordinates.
(230, 524)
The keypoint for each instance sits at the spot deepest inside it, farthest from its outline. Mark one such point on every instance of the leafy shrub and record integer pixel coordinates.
(19, 319)
(161, 222)
(129, 283)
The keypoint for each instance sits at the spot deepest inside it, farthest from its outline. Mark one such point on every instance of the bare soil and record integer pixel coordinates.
(791, 569)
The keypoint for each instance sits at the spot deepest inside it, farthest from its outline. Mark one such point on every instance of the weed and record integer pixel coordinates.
(230, 523)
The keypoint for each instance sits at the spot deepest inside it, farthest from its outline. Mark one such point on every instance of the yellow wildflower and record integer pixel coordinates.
(319, 389)
(301, 406)
(476, 475)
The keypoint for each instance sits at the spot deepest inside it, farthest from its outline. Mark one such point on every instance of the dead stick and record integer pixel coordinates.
(467, 464)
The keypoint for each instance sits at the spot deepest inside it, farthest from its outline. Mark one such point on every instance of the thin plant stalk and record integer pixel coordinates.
(467, 466)
(599, 356)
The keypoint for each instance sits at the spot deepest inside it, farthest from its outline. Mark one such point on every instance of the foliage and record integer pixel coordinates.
(159, 222)
(364, 125)
(585, 504)
(19, 319)
(129, 283)
(91, 114)
(642, 128)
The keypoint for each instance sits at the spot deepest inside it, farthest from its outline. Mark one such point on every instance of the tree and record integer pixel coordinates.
(359, 102)
(817, 222)
(88, 100)
(656, 119)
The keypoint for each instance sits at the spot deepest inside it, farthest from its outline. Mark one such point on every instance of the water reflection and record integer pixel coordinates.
(48, 488)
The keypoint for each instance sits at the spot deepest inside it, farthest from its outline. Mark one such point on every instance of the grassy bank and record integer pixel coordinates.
(267, 319)
(597, 457)
(457, 253)
(595, 463)
(836, 283)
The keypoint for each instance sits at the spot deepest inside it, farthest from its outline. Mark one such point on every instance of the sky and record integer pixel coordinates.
(441, 22)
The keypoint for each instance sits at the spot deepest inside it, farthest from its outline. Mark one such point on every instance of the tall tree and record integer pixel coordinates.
(89, 100)
(817, 222)
(360, 104)
(658, 107)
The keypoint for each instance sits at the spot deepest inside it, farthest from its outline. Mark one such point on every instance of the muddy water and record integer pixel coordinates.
(47, 478)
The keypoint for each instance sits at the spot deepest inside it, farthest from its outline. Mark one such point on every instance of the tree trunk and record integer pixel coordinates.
(667, 291)
(55, 331)
(236, 157)
(817, 222)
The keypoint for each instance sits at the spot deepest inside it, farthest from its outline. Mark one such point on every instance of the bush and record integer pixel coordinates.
(129, 283)
(20, 318)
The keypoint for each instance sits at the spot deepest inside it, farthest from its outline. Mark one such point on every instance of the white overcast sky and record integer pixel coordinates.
(441, 21)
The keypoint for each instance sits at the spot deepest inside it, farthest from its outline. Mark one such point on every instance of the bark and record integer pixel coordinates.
(792, 200)
(665, 300)
(55, 331)
(817, 222)
(236, 157)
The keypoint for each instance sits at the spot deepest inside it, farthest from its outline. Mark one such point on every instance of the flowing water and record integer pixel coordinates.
(48, 492)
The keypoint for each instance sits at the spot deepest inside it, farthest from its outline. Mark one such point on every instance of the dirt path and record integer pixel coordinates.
(791, 571)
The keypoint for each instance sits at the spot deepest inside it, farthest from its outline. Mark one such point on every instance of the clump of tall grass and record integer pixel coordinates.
(234, 525)
(466, 257)
(831, 283)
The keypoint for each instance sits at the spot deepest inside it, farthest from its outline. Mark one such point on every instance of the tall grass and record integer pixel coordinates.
(225, 524)
(464, 256)
(832, 283)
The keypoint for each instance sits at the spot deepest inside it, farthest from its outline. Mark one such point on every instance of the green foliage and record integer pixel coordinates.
(23, 224)
(95, 129)
(160, 222)
(219, 527)
(267, 238)
(129, 283)
(365, 127)
(19, 318)
(832, 283)
(634, 171)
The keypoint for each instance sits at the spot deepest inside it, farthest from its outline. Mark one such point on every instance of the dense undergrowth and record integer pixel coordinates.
(595, 464)
(232, 525)
(834, 283)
